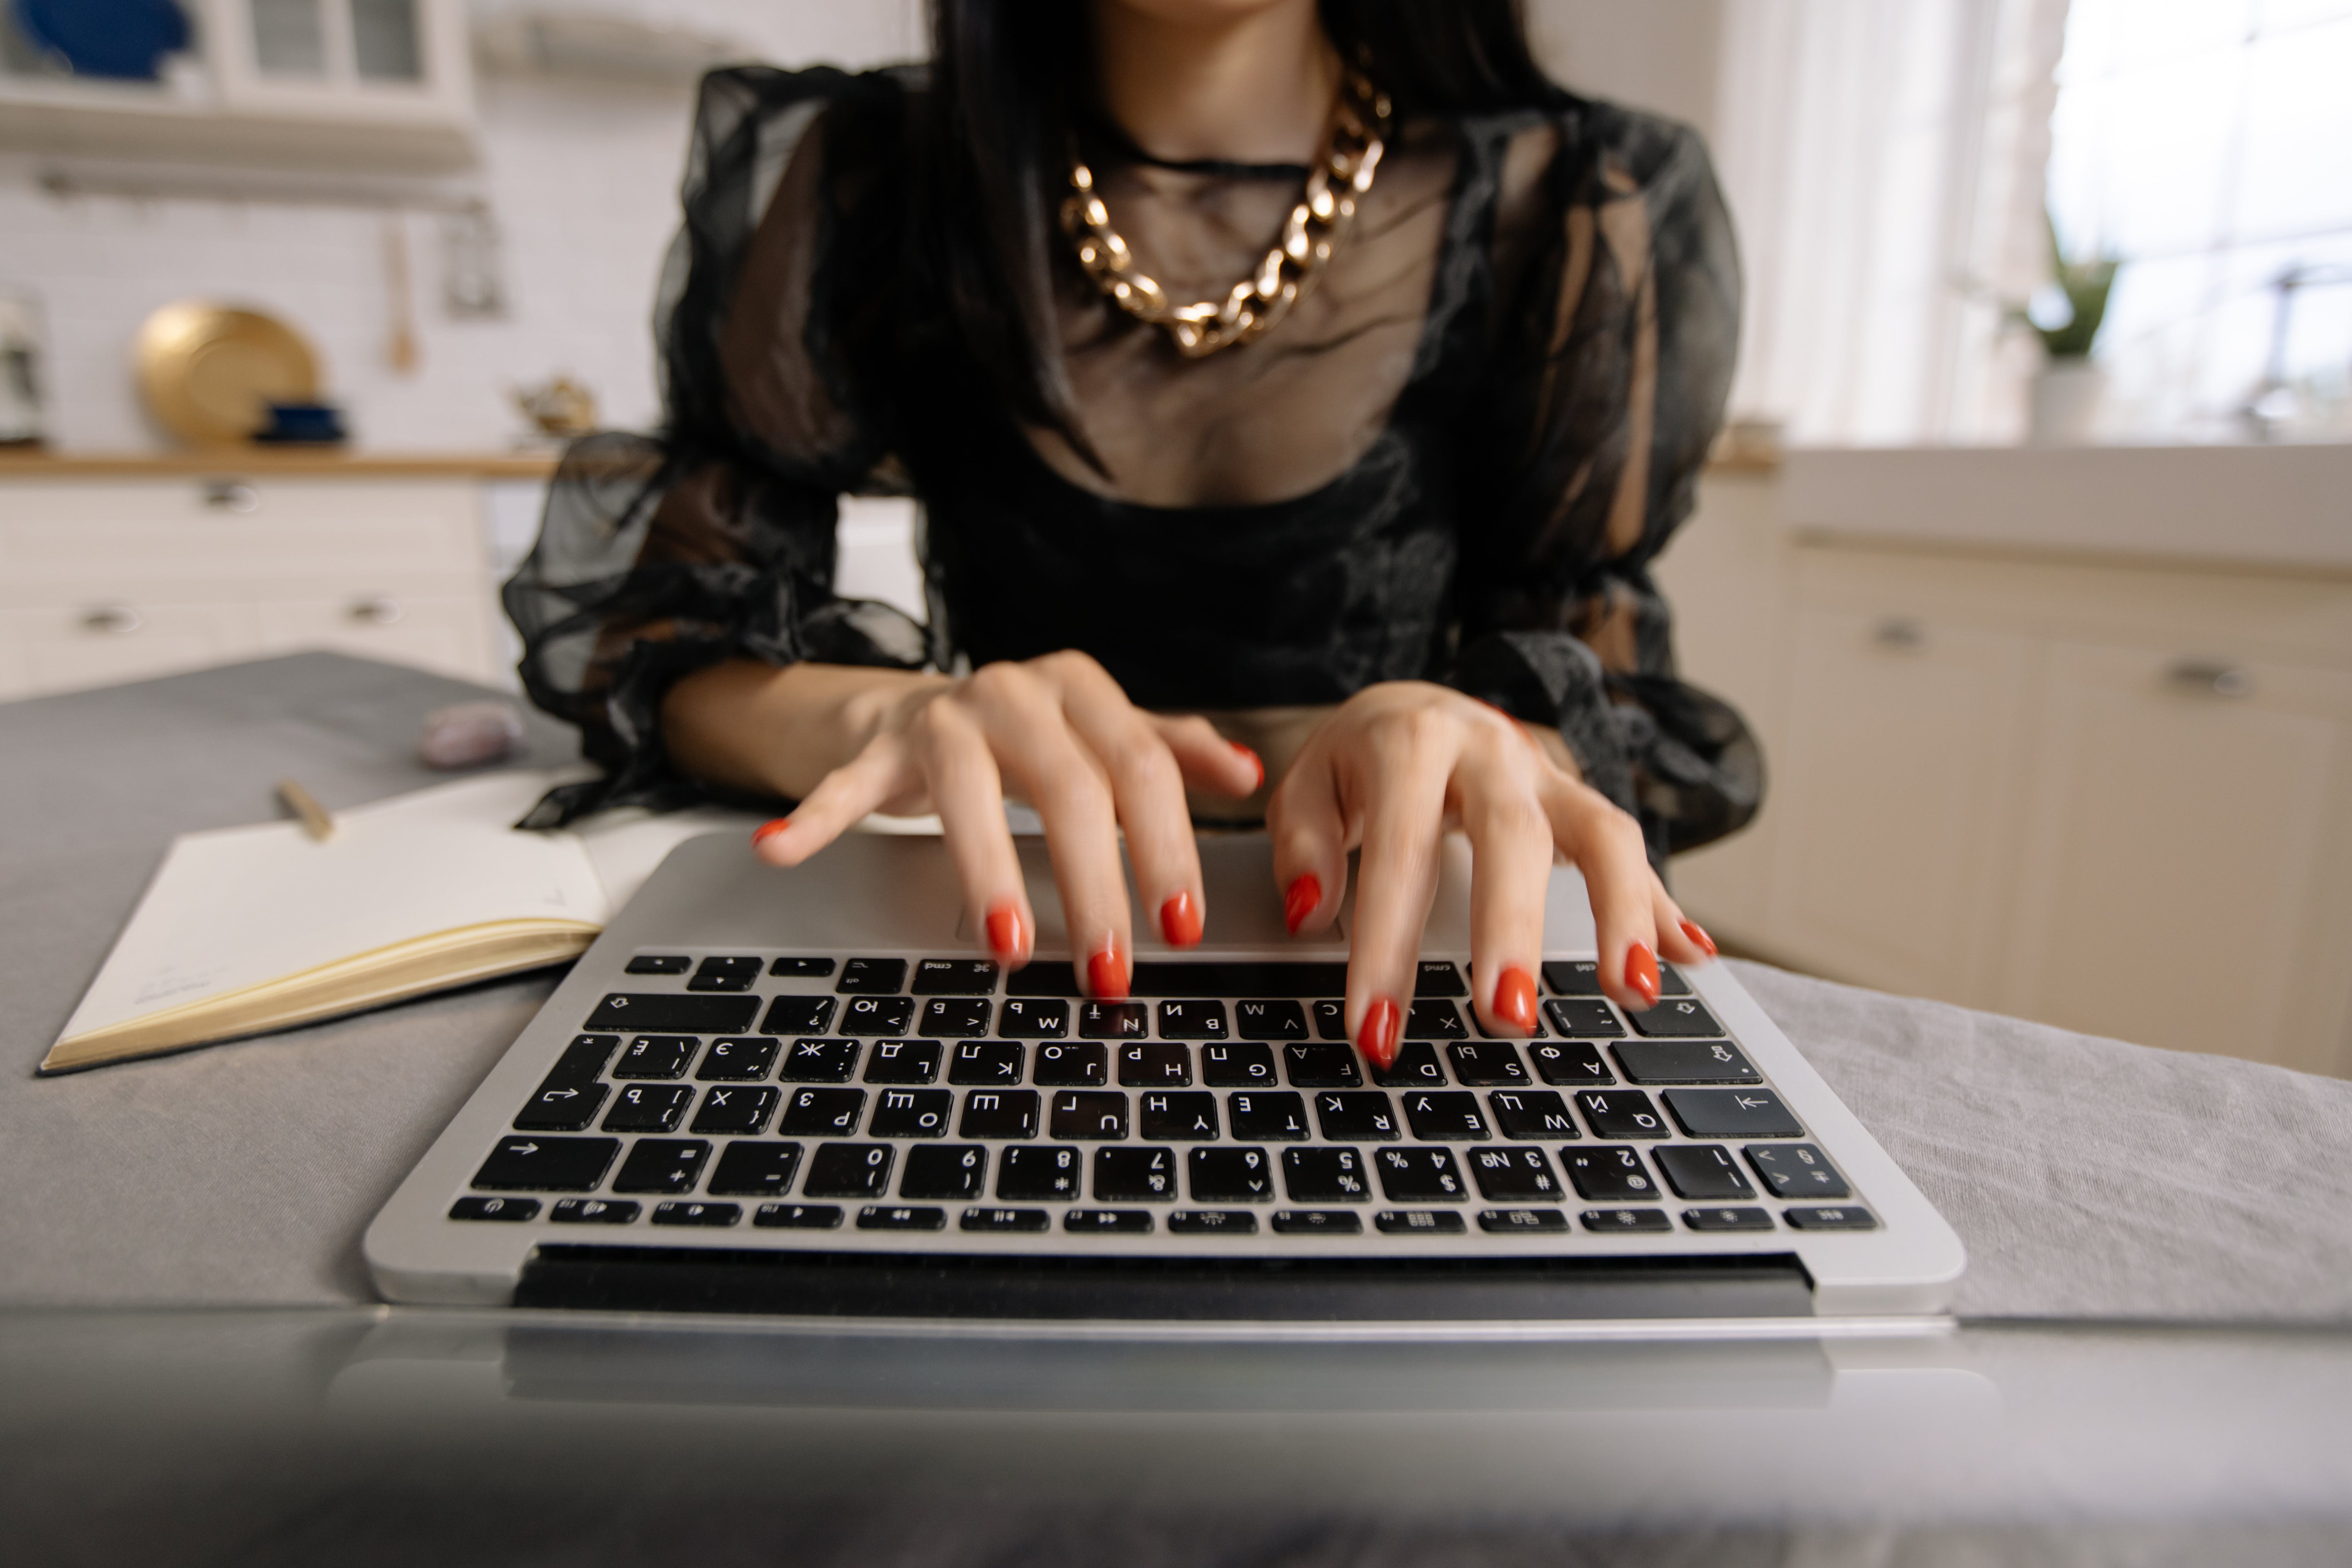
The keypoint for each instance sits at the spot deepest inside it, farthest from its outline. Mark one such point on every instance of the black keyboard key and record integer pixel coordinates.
(1732, 1113)
(802, 968)
(1323, 1176)
(1331, 1020)
(595, 1211)
(1489, 1064)
(1084, 1114)
(799, 1016)
(1621, 1113)
(823, 1112)
(755, 1170)
(1702, 1171)
(1797, 1171)
(1193, 1020)
(849, 1170)
(1155, 1064)
(1036, 1172)
(1845, 1217)
(1677, 1017)
(547, 1164)
(1532, 1113)
(1581, 977)
(662, 1166)
(999, 1113)
(1249, 1065)
(909, 1112)
(1540, 1032)
(876, 1216)
(987, 1062)
(740, 1058)
(1609, 1172)
(1318, 1222)
(819, 1061)
(1135, 1176)
(716, 1215)
(1180, 1117)
(1431, 1020)
(1321, 1066)
(1048, 978)
(508, 1209)
(1368, 1114)
(1684, 1061)
(1419, 1222)
(1015, 1220)
(956, 1018)
(1586, 1020)
(1450, 1116)
(658, 963)
(797, 1217)
(561, 1105)
(1076, 1065)
(656, 1056)
(736, 1112)
(1230, 1175)
(872, 977)
(955, 977)
(649, 1108)
(904, 1061)
(1610, 1222)
(683, 1013)
(1727, 1219)
(878, 1017)
(1109, 1222)
(1275, 1116)
(1212, 1222)
(1514, 1174)
(724, 975)
(945, 1171)
(1416, 1176)
(1569, 1062)
(583, 1061)
(1270, 1019)
(1114, 1020)
(1415, 1066)
(1027, 1019)
(1438, 977)
(1508, 1222)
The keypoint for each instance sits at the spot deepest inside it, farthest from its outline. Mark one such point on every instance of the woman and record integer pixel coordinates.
(1380, 510)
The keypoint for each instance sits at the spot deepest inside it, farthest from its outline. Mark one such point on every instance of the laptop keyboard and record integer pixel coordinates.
(804, 1092)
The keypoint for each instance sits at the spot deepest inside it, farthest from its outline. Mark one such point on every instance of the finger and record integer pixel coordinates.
(1309, 835)
(1680, 938)
(1511, 850)
(1396, 875)
(839, 802)
(969, 796)
(1207, 759)
(1147, 793)
(1606, 845)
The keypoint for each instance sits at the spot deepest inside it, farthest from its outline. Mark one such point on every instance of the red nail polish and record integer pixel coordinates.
(1691, 929)
(1007, 941)
(1180, 920)
(1255, 761)
(1377, 1038)
(1642, 973)
(1106, 974)
(1301, 900)
(1515, 999)
(767, 830)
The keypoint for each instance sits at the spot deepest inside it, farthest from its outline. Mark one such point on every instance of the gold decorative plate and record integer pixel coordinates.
(209, 372)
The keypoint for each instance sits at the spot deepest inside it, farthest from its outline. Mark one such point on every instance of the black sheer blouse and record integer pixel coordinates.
(1455, 460)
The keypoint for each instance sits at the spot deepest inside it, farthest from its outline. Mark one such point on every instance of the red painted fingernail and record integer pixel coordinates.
(1301, 900)
(1378, 1037)
(1180, 920)
(1255, 761)
(1642, 973)
(1692, 931)
(1007, 941)
(1515, 999)
(767, 830)
(1107, 973)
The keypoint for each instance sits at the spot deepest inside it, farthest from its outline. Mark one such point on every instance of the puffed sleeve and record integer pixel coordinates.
(1614, 348)
(714, 539)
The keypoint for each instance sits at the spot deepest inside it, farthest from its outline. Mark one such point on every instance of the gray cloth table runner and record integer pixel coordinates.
(2089, 1179)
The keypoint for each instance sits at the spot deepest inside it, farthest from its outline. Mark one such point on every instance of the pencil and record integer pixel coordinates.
(305, 807)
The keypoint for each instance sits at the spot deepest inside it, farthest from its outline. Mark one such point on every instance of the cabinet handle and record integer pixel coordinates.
(231, 495)
(1899, 634)
(374, 610)
(111, 620)
(2210, 678)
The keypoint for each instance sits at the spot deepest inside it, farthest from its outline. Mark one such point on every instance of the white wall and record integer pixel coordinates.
(1658, 55)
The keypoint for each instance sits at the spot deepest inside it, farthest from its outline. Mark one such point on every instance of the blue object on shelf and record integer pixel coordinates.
(303, 425)
(123, 39)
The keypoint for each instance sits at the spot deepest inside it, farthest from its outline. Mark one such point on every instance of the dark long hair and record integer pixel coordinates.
(1007, 78)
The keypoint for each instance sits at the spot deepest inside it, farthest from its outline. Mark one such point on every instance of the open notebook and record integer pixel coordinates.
(246, 930)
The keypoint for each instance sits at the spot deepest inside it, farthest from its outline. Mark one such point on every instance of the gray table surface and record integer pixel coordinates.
(2090, 1179)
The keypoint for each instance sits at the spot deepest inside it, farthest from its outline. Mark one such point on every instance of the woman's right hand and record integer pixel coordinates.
(1059, 733)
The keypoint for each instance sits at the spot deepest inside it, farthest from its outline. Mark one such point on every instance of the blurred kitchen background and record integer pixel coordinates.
(2029, 552)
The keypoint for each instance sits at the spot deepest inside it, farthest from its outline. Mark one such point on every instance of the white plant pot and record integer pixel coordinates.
(2067, 396)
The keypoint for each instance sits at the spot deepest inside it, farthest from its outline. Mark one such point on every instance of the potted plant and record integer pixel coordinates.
(2066, 316)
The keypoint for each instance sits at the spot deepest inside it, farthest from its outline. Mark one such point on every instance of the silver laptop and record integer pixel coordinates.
(803, 1092)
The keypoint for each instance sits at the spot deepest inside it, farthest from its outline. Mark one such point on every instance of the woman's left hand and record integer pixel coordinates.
(1391, 770)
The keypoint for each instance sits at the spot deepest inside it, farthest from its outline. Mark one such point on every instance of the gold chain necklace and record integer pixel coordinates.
(1352, 144)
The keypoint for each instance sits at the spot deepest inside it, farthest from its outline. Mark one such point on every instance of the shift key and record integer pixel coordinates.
(675, 1014)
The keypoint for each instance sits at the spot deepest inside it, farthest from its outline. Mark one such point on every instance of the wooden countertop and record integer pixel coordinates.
(290, 462)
